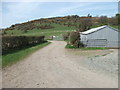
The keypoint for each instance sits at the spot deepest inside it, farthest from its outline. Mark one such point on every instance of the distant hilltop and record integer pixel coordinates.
(71, 20)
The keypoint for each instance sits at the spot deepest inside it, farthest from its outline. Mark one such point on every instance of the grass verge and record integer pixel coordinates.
(12, 58)
(85, 48)
(94, 48)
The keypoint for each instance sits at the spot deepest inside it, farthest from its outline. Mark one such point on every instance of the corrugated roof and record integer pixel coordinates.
(93, 30)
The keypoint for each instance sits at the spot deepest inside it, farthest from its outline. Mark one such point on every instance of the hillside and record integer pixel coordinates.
(48, 27)
(57, 26)
(56, 31)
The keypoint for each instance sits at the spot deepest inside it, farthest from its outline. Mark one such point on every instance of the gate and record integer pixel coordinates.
(58, 38)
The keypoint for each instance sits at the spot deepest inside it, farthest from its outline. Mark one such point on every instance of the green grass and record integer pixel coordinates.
(117, 27)
(57, 31)
(93, 48)
(14, 57)
(70, 46)
(85, 48)
(114, 26)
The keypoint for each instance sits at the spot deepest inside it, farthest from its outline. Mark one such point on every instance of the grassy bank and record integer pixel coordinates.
(18, 55)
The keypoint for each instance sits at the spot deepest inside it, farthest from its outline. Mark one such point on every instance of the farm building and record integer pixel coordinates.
(103, 36)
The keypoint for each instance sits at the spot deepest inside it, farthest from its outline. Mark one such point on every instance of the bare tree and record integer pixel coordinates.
(85, 24)
(103, 20)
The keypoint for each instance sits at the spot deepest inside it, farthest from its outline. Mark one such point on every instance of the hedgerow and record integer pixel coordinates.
(12, 42)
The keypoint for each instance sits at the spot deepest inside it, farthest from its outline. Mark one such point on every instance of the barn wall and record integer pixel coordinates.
(83, 39)
(106, 33)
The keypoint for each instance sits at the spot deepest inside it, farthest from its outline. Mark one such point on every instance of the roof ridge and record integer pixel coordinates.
(93, 29)
(98, 28)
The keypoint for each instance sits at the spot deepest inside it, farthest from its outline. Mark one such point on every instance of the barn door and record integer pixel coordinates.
(97, 43)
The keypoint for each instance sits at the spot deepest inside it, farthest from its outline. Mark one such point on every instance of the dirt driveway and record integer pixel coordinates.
(56, 67)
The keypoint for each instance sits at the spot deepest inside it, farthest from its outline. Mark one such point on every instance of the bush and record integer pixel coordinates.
(66, 36)
(12, 42)
(74, 39)
(46, 27)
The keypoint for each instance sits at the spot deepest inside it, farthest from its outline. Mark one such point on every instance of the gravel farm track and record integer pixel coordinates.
(54, 66)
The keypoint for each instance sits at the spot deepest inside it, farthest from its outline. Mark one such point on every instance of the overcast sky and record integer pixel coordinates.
(17, 12)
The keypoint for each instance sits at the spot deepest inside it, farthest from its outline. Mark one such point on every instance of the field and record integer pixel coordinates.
(58, 30)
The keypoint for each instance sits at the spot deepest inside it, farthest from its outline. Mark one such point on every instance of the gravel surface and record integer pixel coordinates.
(56, 67)
(100, 61)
